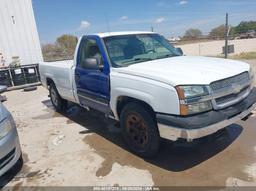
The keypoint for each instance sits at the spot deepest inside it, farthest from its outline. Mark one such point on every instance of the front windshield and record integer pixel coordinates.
(131, 49)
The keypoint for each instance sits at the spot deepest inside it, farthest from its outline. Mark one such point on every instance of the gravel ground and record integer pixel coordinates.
(81, 149)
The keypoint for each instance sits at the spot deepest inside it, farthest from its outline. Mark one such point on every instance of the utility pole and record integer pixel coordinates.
(226, 37)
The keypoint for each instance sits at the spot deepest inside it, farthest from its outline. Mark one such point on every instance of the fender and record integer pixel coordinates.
(161, 97)
(128, 92)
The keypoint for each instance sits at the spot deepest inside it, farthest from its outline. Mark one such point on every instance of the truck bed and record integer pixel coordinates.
(61, 73)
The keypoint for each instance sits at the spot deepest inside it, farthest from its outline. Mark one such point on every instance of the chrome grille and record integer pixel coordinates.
(232, 97)
(231, 90)
(238, 80)
(6, 159)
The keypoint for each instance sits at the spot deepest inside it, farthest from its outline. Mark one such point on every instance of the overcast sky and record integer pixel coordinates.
(168, 17)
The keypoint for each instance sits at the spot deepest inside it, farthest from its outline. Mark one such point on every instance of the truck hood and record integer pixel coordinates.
(184, 70)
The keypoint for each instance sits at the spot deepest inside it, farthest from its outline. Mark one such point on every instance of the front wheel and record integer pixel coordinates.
(140, 130)
(58, 103)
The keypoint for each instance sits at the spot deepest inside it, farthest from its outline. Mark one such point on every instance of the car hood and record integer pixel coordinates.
(184, 70)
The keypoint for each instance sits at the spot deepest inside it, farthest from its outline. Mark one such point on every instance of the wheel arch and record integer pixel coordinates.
(49, 81)
(122, 101)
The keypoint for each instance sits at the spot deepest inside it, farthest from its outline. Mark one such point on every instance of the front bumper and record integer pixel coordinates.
(10, 151)
(197, 126)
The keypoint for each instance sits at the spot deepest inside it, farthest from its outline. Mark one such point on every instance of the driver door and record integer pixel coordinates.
(92, 84)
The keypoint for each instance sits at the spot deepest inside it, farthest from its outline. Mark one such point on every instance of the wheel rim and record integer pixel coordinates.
(137, 130)
(54, 97)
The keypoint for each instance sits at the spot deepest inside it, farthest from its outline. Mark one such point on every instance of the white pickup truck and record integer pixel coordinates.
(140, 80)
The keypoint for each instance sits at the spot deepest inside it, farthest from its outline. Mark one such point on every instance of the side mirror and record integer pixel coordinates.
(3, 89)
(179, 50)
(92, 64)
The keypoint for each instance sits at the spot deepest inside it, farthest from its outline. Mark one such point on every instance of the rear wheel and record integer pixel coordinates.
(140, 130)
(27, 89)
(58, 103)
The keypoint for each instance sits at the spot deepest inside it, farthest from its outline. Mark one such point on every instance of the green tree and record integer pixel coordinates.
(192, 34)
(244, 26)
(219, 32)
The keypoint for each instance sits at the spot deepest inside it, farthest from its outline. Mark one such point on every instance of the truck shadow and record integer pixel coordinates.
(173, 156)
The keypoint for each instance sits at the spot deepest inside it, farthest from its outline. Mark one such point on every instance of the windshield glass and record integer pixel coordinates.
(131, 49)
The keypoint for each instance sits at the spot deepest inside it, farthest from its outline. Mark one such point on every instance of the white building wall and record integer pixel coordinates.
(18, 32)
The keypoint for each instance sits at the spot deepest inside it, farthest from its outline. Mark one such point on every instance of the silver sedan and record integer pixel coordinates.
(10, 150)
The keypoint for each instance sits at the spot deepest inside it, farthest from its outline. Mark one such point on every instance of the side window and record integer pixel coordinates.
(89, 49)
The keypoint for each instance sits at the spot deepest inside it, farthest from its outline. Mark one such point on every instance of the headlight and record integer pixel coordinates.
(251, 72)
(186, 93)
(195, 108)
(5, 127)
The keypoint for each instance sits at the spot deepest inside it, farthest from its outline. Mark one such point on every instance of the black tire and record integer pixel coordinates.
(20, 161)
(58, 103)
(139, 129)
(27, 89)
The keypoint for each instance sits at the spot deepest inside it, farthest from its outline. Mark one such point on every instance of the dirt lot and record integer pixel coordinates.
(80, 149)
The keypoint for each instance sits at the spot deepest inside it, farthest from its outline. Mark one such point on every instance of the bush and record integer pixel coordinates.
(192, 34)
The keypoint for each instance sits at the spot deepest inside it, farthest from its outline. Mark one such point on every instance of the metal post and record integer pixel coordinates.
(24, 75)
(9, 70)
(37, 75)
(226, 37)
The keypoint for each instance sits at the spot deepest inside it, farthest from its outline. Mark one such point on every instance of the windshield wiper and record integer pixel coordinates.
(166, 56)
(142, 59)
(137, 60)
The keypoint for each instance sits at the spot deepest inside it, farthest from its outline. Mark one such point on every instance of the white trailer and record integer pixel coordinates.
(19, 40)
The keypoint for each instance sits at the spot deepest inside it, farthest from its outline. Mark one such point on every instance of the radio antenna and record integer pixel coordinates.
(107, 21)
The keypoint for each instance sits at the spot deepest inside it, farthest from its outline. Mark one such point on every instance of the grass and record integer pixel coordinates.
(245, 55)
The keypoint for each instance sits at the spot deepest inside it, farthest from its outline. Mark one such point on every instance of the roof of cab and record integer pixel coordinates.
(108, 34)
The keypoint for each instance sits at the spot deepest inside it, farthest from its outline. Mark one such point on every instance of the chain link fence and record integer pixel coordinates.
(215, 47)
